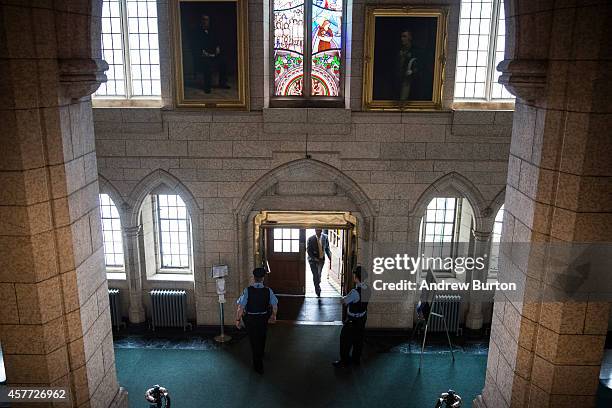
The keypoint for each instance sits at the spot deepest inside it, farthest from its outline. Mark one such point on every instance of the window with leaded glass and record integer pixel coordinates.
(495, 243)
(130, 46)
(173, 233)
(111, 233)
(480, 48)
(438, 233)
(307, 49)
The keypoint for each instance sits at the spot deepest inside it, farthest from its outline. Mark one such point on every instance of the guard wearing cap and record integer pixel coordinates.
(256, 307)
(353, 328)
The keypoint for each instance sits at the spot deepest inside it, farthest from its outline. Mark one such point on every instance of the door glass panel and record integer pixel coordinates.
(286, 240)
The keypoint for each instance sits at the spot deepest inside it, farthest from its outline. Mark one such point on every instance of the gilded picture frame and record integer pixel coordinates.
(210, 42)
(404, 58)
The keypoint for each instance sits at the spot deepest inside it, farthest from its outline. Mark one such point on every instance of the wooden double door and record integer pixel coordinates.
(286, 257)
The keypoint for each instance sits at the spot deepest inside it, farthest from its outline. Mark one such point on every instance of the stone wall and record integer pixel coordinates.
(55, 325)
(216, 157)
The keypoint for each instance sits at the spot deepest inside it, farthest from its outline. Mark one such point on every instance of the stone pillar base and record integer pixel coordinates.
(137, 315)
(478, 402)
(474, 321)
(120, 400)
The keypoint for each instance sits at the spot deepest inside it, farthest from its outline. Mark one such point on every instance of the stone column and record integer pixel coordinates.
(482, 247)
(55, 324)
(131, 236)
(548, 353)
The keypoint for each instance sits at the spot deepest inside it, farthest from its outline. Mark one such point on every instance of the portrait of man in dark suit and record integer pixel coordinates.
(210, 45)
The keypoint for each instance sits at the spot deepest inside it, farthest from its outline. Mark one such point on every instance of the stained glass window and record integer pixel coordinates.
(288, 47)
(326, 47)
(319, 22)
(480, 48)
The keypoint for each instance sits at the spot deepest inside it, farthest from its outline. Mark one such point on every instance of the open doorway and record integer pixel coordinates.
(331, 275)
(282, 242)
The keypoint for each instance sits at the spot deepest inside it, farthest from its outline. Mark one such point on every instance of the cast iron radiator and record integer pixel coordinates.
(115, 307)
(169, 308)
(448, 306)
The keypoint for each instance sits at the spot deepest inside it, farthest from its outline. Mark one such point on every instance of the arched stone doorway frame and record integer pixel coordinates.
(245, 214)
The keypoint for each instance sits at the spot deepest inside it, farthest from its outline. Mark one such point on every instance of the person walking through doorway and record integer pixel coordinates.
(316, 248)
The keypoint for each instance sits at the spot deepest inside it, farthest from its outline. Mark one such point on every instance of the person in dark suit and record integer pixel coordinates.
(317, 247)
(257, 306)
(211, 56)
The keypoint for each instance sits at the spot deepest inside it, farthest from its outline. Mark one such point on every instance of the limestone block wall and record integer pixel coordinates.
(218, 156)
(220, 161)
(54, 311)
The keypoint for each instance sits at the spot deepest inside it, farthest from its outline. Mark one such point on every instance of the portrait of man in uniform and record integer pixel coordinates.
(404, 65)
(405, 57)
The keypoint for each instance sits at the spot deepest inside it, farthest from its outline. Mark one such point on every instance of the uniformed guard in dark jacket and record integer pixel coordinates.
(352, 334)
(256, 307)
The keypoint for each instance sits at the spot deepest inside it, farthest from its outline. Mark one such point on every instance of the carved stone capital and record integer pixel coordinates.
(131, 232)
(80, 77)
(487, 212)
(525, 79)
(481, 235)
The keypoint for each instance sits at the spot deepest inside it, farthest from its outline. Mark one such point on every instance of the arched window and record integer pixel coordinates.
(446, 230)
(307, 49)
(112, 236)
(167, 234)
(480, 48)
(173, 231)
(2, 369)
(495, 242)
(130, 46)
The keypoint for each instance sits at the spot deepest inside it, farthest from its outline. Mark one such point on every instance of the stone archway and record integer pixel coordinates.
(149, 183)
(450, 185)
(106, 187)
(302, 185)
(136, 270)
(493, 208)
(300, 168)
(456, 185)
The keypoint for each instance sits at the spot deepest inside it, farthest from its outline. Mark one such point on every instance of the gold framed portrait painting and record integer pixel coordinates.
(404, 57)
(211, 53)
